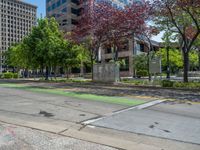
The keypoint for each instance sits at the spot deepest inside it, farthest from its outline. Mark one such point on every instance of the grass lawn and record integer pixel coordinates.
(78, 95)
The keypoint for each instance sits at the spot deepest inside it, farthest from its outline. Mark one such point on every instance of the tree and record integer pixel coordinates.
(103, 24)
(48, 43)
(45, 47)
(197, 48)
(194, 62)
(146, 35)
(182, 17)
(83, 56)
(17, 57)
(140, 62)
(175, 60)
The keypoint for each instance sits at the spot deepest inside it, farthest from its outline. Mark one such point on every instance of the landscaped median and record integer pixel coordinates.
(163, 83)
(78, 95)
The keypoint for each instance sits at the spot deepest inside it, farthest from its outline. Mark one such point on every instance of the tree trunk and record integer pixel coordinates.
(148, 61)
(68, 72)
(91, 59)
(50, 73)
(116, 53)
(199, 58)
(42, 70)
(55, 72)
(185, 65)
(82, 69)
(26, 73)
(34, 74)
(47, 73)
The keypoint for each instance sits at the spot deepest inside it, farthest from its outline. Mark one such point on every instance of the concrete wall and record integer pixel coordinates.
(106, 72)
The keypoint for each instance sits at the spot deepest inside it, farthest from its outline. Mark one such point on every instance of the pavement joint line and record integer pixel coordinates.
(25, 126)
(63, 131)
(139, 107)
(58, 133)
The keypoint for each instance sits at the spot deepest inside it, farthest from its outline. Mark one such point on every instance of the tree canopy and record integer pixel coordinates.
(181, 17)
(46, 48)
(105, 24)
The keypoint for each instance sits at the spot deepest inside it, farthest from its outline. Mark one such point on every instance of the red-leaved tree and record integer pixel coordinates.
(181, 17)
(102, 24)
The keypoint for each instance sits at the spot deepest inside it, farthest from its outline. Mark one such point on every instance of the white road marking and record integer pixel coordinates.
(142, 106)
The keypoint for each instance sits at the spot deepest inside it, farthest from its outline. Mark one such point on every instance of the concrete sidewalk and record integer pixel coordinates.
(14, 137)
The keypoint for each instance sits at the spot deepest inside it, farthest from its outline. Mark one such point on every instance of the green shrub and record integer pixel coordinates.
(136, 82)
(1, 76)
(15, 75)
(8, 75)
(190, 85)
(167, 83)
(126, 79)
(142, 73)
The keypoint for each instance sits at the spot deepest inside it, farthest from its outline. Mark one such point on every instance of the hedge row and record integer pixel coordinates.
(9, 75)
(164, 83)
(189, 85)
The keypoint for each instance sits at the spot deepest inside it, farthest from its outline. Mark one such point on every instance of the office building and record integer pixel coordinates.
(17, 19)
(67, 13)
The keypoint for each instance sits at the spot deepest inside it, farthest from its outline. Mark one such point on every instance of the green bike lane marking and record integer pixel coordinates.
(92, 97)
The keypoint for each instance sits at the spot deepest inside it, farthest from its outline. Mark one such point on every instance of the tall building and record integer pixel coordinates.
(17, 19)
(67, 13)
(119, 3)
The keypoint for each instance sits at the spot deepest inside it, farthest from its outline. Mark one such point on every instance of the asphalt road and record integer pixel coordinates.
(52, 106)
(175, 121)
(48, 119)
(46, 112)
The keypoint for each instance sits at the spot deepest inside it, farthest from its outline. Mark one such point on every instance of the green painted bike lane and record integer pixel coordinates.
(84, 96)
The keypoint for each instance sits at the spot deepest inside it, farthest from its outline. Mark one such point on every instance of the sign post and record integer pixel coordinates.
(155, 66)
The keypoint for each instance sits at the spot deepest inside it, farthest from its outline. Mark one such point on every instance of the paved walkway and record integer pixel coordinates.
(19, 138)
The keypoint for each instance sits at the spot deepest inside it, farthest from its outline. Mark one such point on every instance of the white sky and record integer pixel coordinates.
(158, 38)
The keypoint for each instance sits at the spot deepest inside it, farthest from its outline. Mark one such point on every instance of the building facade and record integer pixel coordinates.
(17, 19)
(67, 13)
(130, 48)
